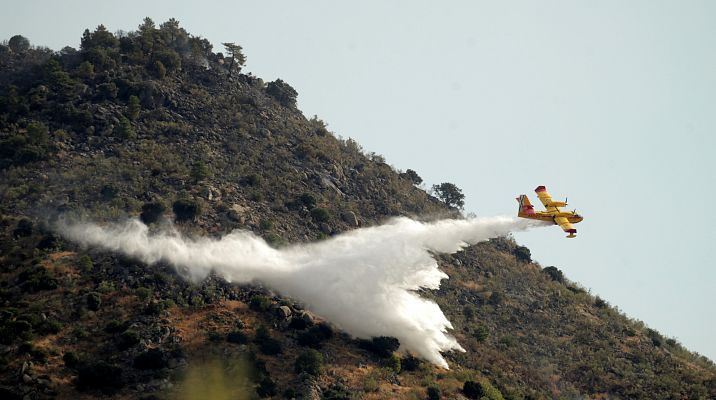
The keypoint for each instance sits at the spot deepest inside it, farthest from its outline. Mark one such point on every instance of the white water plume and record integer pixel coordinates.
(363, 281)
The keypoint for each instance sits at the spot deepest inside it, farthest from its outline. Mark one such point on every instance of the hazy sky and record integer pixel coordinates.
(612, 103)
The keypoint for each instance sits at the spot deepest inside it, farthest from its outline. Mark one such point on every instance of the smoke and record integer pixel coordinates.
(363, 281)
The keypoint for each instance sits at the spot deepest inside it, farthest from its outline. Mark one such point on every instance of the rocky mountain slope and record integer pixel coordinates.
(155, 124)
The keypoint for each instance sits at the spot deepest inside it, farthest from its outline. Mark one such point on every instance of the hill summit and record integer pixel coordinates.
(154, 124)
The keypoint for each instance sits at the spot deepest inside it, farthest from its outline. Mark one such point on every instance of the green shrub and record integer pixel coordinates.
(186, 209)
(84, 264)
(94, 301)
(200, 171)
(433, 393)
(482, 390)
(151, 359)
(599, 302)
(159, 70)
(116, 327)
(270, 347)
(310, 362)
(71, 360)
(410, 363)
(382, 346)
(554, 273)
(107, 91)
(36, 279)
(283, 92)
(265, 224)
(250, 180)
(133, 107)
(237, 337)
(151, 212)
(393, 363)
(320, 214)
(23, 228)
(308, 200)
(100, 375)
(124, 129)
(259, 303)
(412, 176)
(523, 254)
(481, 333)
(315, 335)
(143, 293)
(266, 388)
(127, 339)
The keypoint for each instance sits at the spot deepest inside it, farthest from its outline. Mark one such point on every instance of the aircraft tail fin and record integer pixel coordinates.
(525, 208)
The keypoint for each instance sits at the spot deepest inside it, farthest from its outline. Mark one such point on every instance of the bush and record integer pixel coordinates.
(186, 209)
(259, 303)
(250, 180)
(554, 273)
(151, 359)
(382, 346)
(410, 363)
(308, 200)
(48, 327)
(151, 212)
(265, 224)
(94, 301)
(320, 214)
(124, 129)
(237, 337)
(300, 322)
(71, 360)
(200, 171)
(84, 264)
(523, 254)
(133, 107)
(116, 327)
(159, 70)
(433, 393)
(107, 91)
(283, 92)
(393, 363)
(599, 302)
(36, 279)
(143, 293)
(100, 375)
(266, 388)
(270, 347)
(127, 339)
(482, 390)
(23, 228)
(315, 335)
(310, 362)
(481, 333)
(412, 176)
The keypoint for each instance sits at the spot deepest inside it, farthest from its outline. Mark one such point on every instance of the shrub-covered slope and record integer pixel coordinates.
(155, 124)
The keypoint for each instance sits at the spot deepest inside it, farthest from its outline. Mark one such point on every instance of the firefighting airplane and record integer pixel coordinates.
(564, 219)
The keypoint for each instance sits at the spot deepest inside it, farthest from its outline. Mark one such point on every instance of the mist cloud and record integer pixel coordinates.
(363, 281)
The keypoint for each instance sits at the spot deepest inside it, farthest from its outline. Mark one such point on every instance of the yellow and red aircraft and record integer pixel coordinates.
(564, 219)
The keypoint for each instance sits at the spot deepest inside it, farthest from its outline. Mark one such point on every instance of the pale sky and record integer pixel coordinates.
(612, 103)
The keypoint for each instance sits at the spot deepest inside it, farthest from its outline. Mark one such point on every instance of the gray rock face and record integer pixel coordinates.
(350, 218)
(283, 312)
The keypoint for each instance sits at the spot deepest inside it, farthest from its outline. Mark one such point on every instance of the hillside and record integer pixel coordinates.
(155, 124)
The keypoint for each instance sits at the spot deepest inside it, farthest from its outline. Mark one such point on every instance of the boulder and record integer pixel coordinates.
(350, 218)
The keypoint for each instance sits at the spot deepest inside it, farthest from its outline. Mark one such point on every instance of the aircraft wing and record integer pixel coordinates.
(566, 226)
(546, 199)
